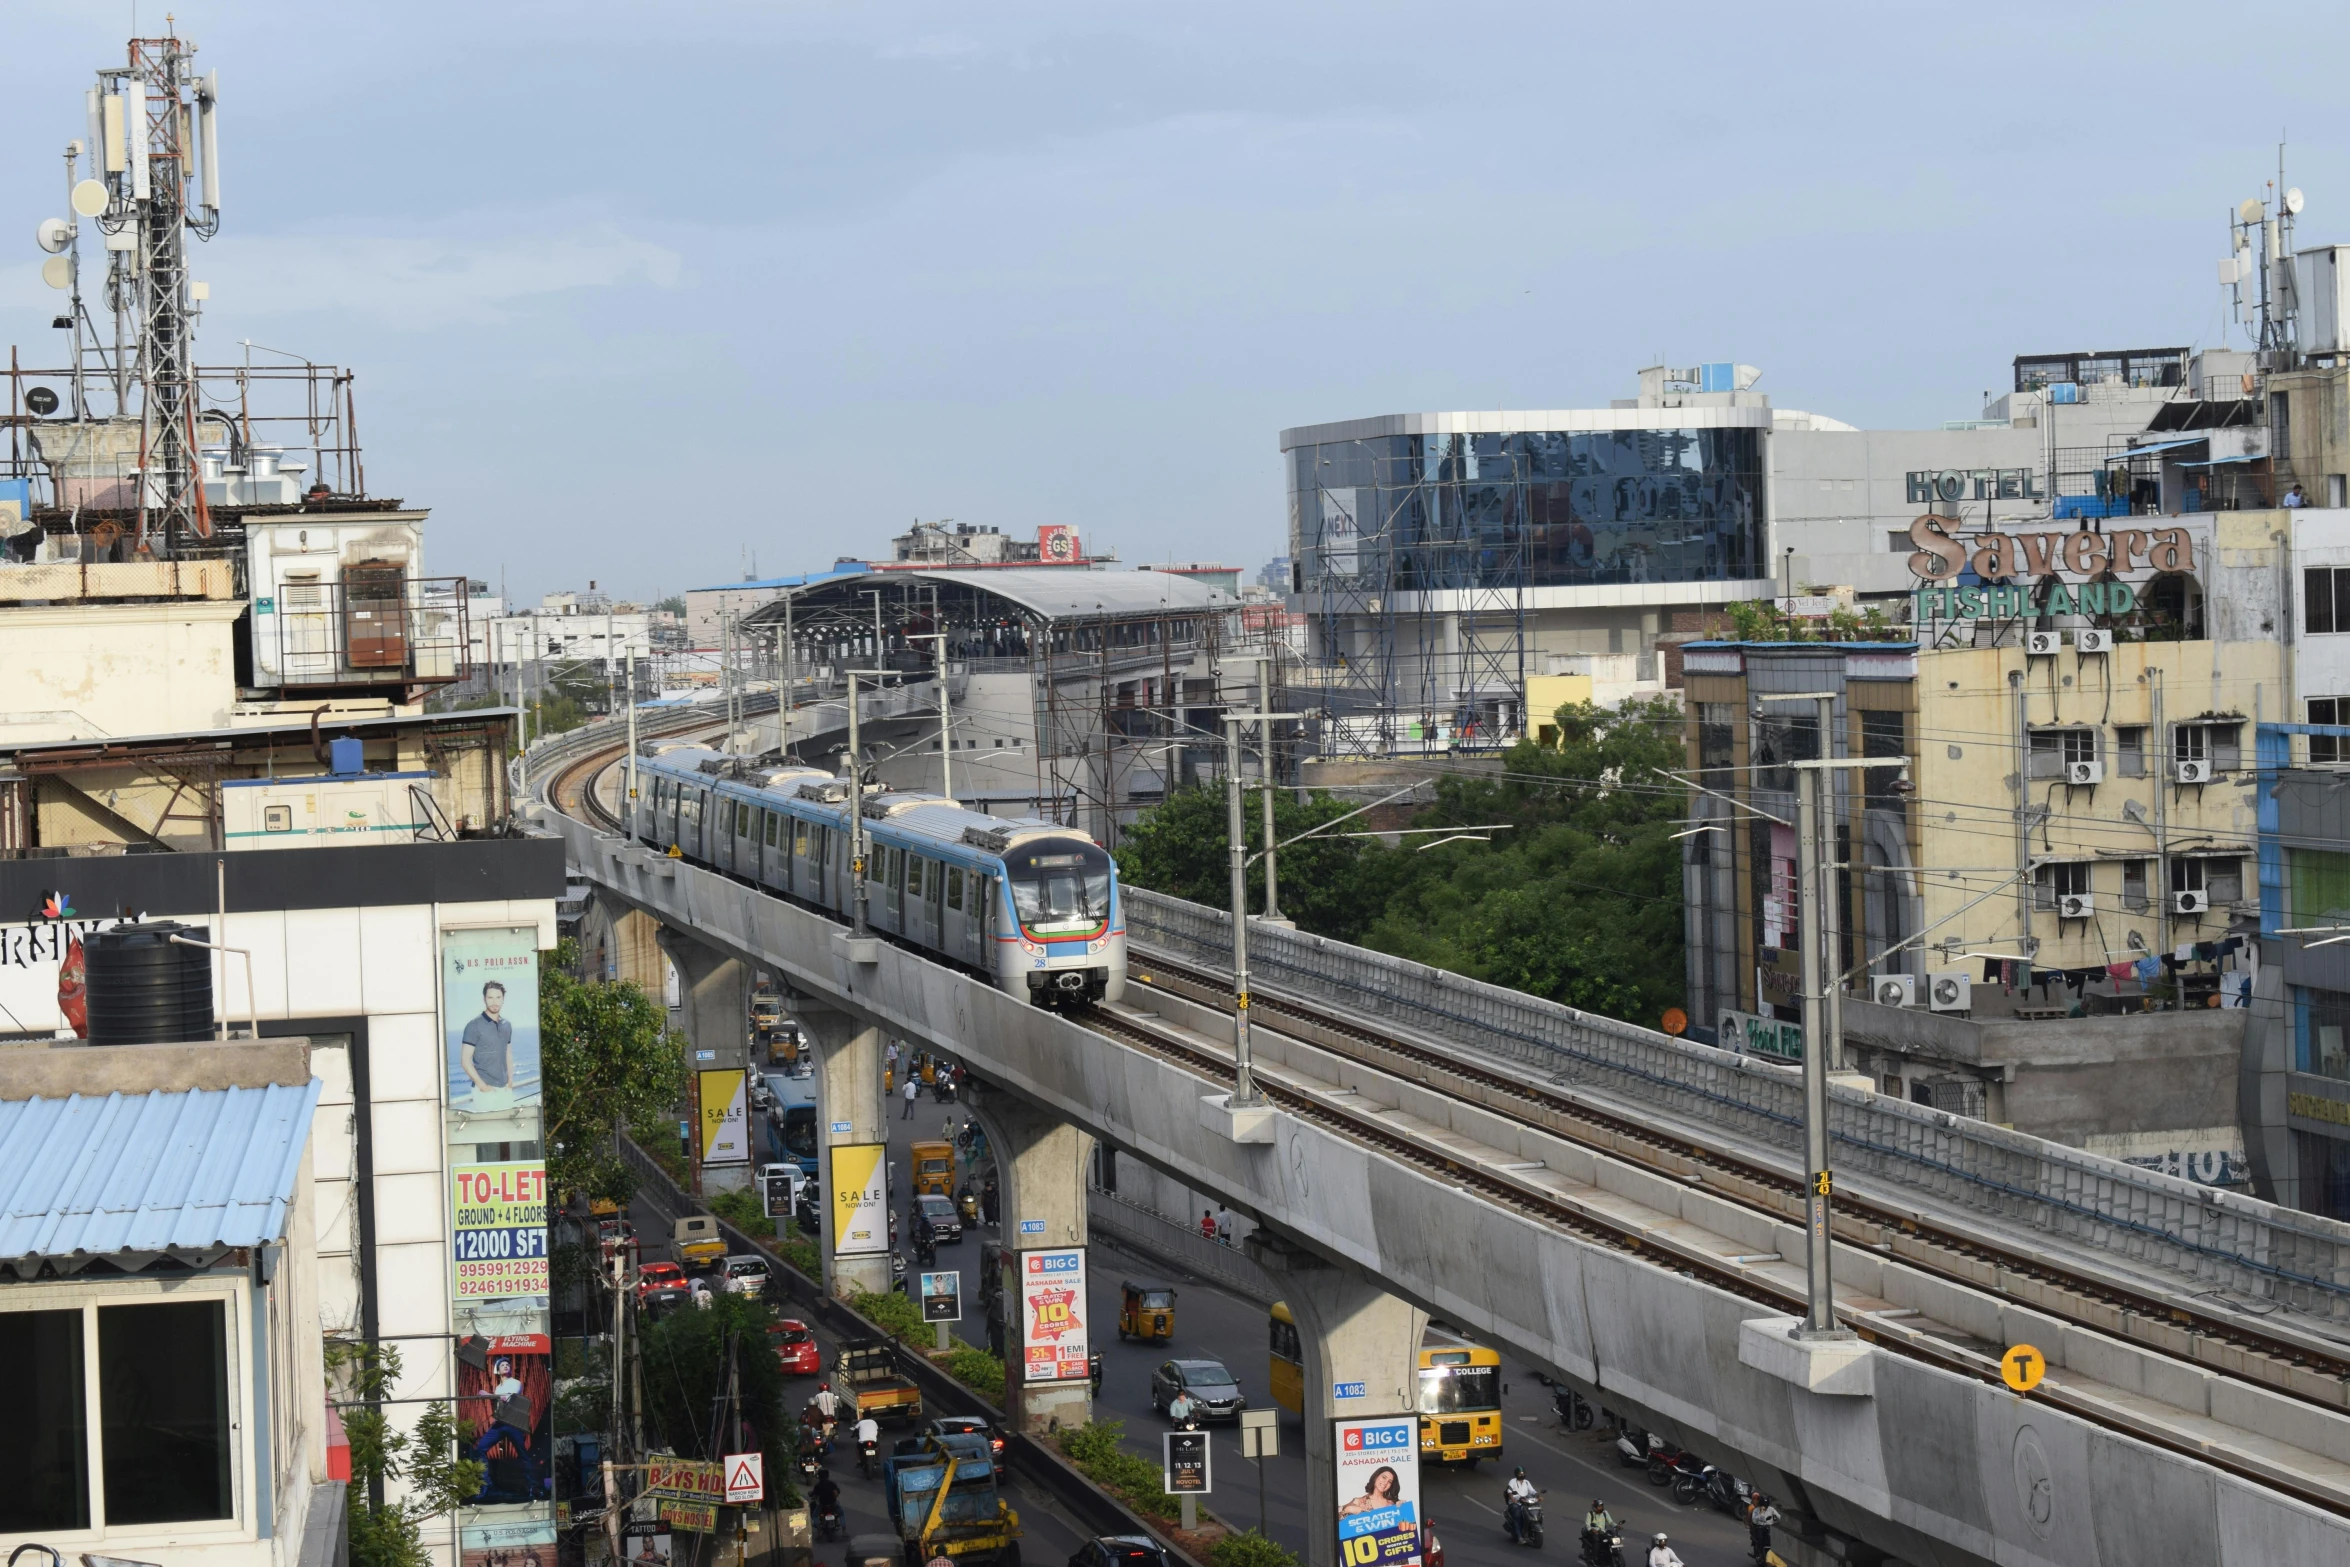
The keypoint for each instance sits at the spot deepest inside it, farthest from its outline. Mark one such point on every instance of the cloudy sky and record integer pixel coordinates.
(640, 293)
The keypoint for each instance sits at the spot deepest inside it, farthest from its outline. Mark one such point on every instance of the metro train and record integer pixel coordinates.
(1030, 903)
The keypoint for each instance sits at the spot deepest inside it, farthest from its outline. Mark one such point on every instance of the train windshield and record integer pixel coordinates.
(1060, 886)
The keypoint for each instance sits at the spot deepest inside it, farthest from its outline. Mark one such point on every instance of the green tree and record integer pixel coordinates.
(1330, 885)
(608, 1059)
(439, 1481)
(690, 1357)
(1575, 895)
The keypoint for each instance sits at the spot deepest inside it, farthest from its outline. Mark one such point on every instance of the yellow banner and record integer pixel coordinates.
(725, 1122)
(860, 1200)
(688, 1479)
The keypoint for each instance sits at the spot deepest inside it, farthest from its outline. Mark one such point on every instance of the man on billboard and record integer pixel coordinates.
(485, 1052)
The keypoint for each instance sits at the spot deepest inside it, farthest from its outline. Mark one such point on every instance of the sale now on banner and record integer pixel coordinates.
(1052, 1316)
(1378, 1463)
(498, 1230)
(860, 1200)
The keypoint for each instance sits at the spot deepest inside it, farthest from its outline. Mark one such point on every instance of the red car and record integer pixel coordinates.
(659, 1276)
(795, 1348)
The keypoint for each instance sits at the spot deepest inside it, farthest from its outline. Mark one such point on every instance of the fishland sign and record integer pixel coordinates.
(2023, 561)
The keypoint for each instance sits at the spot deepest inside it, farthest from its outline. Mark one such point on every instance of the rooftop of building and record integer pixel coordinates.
(1048, 593)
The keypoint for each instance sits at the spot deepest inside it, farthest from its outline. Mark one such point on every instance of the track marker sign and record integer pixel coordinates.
(2022, 1367)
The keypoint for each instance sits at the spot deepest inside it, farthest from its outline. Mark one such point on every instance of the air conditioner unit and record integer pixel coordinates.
(1950, 990)
(1896, 990)
(2190, 902)
(2092, 641)
(2076, 906)
(2084, 772)
(2042, 644)
(2192, 772)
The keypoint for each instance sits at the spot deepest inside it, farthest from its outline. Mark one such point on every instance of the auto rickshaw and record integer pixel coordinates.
(1146, 1312)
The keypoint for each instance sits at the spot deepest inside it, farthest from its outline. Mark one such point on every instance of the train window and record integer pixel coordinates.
(914, 875)
(799, 838)
(742, 820)
(1059, 886)
(954, 887)
(771, 825)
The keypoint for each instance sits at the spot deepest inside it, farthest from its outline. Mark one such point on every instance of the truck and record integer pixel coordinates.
(867, 1377)
(696, 1240)
(944, 1500)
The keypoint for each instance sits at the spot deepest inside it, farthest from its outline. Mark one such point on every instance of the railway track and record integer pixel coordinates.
(1593, 1223)
(2212, 1340)
(2305, 1369)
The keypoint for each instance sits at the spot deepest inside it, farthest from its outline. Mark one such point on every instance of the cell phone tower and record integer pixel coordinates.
(154, 179)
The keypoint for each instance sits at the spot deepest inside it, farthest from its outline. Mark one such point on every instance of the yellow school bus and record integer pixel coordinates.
(1460, 1390)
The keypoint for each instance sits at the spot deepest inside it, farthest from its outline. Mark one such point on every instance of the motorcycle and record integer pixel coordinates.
(1523, 1523)
(1664, 1461)
(828, 1523)
(1094, 1366)
(1632, 1445)
(1729, 1493)
(944, 1089)
(1603, 1547)
(809, 1469)
(868, 1458)
(1687, 1478)
(1574, 1411)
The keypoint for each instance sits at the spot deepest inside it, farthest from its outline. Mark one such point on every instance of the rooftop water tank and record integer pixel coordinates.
(145, 988)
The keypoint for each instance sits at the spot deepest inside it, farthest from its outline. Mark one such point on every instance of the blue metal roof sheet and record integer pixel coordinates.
(188, 1170)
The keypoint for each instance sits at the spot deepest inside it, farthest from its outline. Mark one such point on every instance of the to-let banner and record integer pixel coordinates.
(498, 1230)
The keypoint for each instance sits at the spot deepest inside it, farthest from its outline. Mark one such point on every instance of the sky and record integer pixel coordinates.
(645, 295)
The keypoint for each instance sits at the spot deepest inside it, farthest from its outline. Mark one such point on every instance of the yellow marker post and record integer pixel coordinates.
(2022, 1367)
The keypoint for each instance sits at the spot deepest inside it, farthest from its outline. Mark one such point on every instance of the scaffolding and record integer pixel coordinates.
(1419, 619)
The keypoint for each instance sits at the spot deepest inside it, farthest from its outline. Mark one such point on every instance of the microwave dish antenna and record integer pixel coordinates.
(2293, 201)
(54, 234)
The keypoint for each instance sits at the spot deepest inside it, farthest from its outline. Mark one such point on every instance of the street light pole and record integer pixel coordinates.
(1244, 1084)
(1820, 1319)
(628, 806)
(946, 739)
(857, 799)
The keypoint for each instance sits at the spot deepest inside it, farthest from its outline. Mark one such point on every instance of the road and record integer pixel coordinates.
(1464, 1505)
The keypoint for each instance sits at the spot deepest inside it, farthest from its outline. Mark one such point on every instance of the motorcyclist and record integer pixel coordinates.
(868, 1437)
(1760, 1515)
(827, 1402)
(825, 1492)
(1598, 1526)
(1517, 1496)
(1661, 1554)
(1179, 1410)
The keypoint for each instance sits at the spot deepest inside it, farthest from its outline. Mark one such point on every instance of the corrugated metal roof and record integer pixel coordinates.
(190, 1170)
(1065, 592)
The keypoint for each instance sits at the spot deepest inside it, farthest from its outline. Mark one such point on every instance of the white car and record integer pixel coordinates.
(744, 1275)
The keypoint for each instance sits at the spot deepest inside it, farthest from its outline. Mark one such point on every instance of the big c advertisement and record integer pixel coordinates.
(1052, 1316)
(726, 1126)
(1378, 1461)
(498, 1230)
(860, 1200)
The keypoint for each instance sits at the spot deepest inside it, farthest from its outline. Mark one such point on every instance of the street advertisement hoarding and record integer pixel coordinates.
(860, 1199)
(498, 1230)
(942, 1297)
(726, 1121)
(490, 1020)
(1052, 1316)
(1378, 1480)
(1183, 1463)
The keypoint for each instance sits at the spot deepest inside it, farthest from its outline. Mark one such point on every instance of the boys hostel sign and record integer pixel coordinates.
(1941, 555)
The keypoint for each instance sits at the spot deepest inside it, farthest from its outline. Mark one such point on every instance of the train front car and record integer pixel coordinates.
(1066, 941)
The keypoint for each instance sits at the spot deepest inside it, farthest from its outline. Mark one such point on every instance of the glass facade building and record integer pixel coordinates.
(1541, 508)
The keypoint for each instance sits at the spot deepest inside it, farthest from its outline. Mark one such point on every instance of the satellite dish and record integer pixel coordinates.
(41, 400)
(2249, 210)
(89, 198)
(57, 271)
(54, 234)
(2293, 201)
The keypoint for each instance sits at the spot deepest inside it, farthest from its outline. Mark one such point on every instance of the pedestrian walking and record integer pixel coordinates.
(1207, 1224)
(1760, 1515)
(912, 1089)
(1223, 1225)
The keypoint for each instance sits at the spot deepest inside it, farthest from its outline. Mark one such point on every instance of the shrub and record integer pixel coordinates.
(1096, 1449)
(979, 1371)
(894, 1314)
(746, 1211)
(1249, 1549)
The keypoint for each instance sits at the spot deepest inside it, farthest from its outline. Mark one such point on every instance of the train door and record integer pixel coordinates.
(746, 842)
(954, 935)
(893, 902)
(774, 863)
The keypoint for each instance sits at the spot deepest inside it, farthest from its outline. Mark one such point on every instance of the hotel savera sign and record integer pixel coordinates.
(1942, 554)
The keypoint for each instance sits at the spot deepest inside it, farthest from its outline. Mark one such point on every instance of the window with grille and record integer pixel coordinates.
(2217, 744)
(2054, 749)
(2329, 710)
(1883, 735)
(2325, 599)
(2129, 750)
(2218, 878)
(2134, 885)
(2051, 882)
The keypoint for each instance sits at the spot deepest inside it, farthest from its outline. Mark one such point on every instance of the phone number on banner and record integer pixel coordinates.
(494, 1264)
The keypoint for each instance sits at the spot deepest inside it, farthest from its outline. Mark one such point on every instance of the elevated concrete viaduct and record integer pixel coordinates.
(2127, 1456)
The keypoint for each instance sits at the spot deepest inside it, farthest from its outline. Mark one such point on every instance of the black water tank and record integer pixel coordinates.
(145, 988)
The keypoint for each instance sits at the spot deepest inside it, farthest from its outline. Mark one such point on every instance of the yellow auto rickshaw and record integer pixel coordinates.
(1146, 1312)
